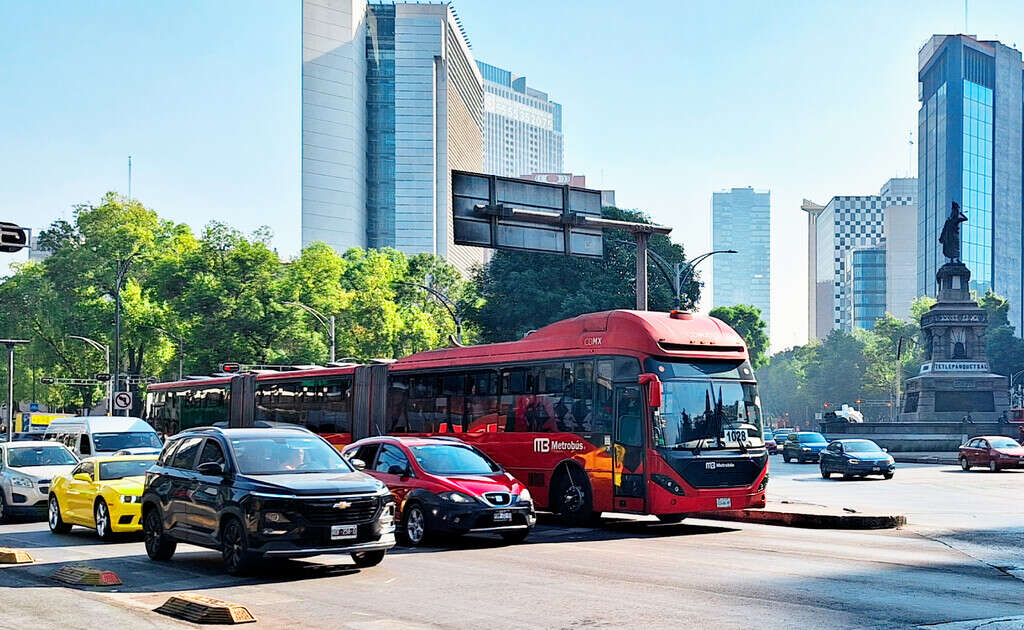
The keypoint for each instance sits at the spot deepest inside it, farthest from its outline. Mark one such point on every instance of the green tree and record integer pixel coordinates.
(1005, 351)
(836, 373)
(523, 291)
(746, 320)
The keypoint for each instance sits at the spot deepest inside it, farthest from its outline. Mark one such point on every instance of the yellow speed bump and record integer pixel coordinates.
(80, 575)
(202, 609)
(14, 556)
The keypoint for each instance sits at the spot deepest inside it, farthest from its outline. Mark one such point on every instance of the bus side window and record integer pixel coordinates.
(514, 383)
(482, 402)
(398, 406)
(604, 405)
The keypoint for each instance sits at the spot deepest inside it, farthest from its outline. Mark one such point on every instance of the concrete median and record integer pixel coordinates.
(809, 516)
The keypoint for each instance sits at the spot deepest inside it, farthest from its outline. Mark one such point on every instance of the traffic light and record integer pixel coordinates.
(47, 380)
(859, 401)
(230, 368)
(102, 377)
(12, 238)
(827, 405)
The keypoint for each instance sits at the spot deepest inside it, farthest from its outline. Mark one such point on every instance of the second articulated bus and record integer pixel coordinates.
(620, 411)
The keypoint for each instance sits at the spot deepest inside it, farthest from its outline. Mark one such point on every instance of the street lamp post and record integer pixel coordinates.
(447, 302)
(122, 271)
(688, 269)
(106, 354)
(1013, 392)
(327, 321)
(11, 343)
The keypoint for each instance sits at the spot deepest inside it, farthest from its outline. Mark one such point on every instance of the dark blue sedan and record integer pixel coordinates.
(856, 458)
(803, 446)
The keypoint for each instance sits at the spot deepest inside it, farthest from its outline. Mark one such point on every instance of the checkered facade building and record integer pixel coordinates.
(849, 222)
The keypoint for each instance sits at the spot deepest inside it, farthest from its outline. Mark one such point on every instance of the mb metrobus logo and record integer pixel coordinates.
(546, 445)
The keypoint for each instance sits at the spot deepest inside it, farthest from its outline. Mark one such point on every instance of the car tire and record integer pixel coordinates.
(825, 474)
(57, 524)
(964, 465)
(887, 475)
(414, 526)
(366, 559)
(671, 518)
(785, 458)
(101, 516)
(3, 508)
(992, 467)
(515, 537)
(847, 476)
(572, 498)
(234, 541)
(159, 546)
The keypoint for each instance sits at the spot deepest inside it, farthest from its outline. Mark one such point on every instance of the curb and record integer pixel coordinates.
(925, 459)
(810, 520)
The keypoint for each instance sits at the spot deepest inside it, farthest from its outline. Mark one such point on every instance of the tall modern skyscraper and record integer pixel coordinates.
(392, 103)
(969, 152)
(740, 220)
(847, 223)
(522, 126)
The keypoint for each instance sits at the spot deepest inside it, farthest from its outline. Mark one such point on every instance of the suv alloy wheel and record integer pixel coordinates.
(158, 546)
(235, 547)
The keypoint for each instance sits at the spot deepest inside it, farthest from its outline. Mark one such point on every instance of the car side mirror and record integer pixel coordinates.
(357, 463)
(401, 471)
(885, 450)
(211, 468)
(83, 477)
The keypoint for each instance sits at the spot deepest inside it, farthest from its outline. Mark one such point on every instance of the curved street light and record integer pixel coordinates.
(327, 321)
(106, 354)
(448, 303)
(677, 269)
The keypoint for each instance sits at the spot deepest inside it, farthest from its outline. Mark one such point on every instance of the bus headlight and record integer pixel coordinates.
(669, 484)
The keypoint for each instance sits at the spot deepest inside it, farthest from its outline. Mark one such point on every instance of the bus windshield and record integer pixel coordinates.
(709, 414)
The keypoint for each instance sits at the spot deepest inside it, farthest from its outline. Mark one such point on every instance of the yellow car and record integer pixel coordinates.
(103, 493)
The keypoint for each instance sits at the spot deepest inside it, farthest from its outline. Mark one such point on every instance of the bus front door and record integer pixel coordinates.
(628, 450)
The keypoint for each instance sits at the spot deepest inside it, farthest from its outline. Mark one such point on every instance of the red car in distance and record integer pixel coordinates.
(994, 452)
(444, 486)
(770, 443)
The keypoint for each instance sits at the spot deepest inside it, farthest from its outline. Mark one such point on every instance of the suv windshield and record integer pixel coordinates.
(40, 456)
(116, 441)
(129, 468)
(287, 454)
(709, 414)
(448, 459)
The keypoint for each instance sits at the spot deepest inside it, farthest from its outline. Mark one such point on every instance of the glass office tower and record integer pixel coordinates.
(969, 152)
(741, 220)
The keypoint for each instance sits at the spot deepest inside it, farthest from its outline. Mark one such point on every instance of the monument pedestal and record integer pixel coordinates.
(955, 380)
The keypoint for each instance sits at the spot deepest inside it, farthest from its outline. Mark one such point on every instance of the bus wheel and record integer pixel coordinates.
(571, 497)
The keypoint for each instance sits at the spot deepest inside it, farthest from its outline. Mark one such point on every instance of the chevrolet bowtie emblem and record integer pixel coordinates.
(341, 505)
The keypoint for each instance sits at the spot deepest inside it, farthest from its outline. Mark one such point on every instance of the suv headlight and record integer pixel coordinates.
(24, 482)
(457, 497)
(525, 496)
(805, 449)
(854, 461)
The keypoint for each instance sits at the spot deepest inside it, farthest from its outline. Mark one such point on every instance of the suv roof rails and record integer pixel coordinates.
(382, 361)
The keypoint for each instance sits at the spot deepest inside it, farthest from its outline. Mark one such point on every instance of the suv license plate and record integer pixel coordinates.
(723, 502)
(876, 468)
(503, 515)
(343, 532)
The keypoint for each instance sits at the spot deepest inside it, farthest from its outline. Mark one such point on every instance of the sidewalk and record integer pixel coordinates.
(931, 457)
(808, 515)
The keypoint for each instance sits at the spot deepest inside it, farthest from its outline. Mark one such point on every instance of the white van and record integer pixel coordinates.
(88, 436)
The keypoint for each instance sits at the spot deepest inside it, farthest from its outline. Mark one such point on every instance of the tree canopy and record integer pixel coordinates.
(746, 320)
(227, 296)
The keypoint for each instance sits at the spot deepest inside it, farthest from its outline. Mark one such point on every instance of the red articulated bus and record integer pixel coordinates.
(620, 411)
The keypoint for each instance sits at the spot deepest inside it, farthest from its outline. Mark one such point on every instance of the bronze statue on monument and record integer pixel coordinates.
(950, 236)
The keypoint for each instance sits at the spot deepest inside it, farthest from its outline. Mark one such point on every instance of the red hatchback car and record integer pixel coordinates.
(991, 451)
(445, 486)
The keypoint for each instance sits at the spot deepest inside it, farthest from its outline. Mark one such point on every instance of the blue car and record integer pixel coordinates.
(803, 446)
(856, 458)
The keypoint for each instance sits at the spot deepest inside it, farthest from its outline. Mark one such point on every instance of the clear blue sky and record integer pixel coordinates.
(665, 102)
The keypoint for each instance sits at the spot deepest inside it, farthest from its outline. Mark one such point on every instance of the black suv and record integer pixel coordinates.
(282, 492)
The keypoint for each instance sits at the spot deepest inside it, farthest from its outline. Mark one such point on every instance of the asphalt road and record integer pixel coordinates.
(627, 573)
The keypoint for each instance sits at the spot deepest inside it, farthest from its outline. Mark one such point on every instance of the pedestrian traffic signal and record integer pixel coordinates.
(827, 405)
(47, 380)
(230, 368)
(12, 238)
